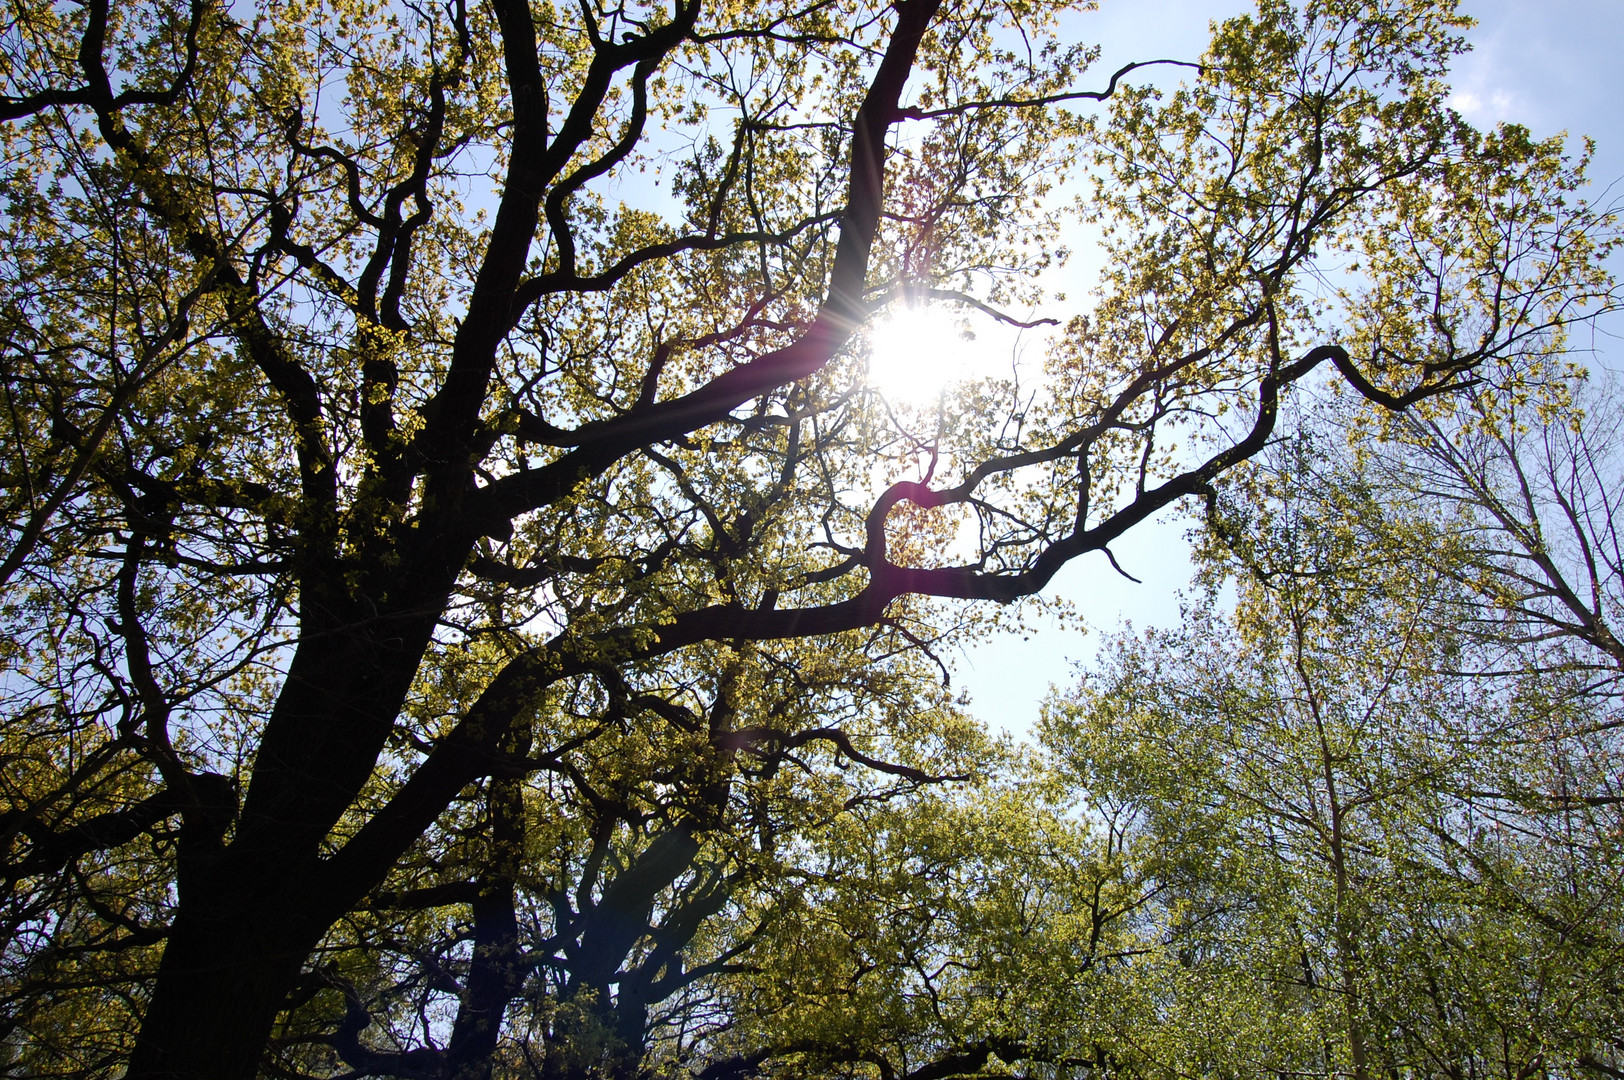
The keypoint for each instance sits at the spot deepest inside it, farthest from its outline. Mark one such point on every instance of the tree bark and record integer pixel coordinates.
(237, 944)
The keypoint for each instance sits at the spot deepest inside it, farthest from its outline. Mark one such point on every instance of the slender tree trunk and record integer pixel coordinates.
(496, 972)
(1345, 930)
(1347, 947)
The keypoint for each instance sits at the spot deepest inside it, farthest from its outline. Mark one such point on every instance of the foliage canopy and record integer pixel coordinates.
(459, 620)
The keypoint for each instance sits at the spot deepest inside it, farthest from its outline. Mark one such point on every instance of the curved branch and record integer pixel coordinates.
(1046, 99)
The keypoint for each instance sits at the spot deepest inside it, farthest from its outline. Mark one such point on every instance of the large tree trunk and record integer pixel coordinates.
(236, 947)
(250, 912)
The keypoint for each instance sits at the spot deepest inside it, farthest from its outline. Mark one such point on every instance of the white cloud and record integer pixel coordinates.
(1498, 106)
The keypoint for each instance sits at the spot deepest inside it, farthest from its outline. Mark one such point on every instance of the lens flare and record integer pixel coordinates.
(915, 352)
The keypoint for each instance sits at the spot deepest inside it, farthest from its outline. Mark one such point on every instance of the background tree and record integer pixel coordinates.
(423, 569)
(952, 934)
(1535, 486)
(1383, 815)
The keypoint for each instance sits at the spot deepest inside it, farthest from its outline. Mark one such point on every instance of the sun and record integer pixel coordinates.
(917, 351)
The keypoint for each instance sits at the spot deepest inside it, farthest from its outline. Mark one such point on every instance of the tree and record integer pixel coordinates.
(1536, 487)
(427, 576)
(1380, 828)
(956, 933)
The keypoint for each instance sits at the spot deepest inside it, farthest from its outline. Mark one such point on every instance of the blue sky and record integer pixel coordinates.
(1550, 65)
